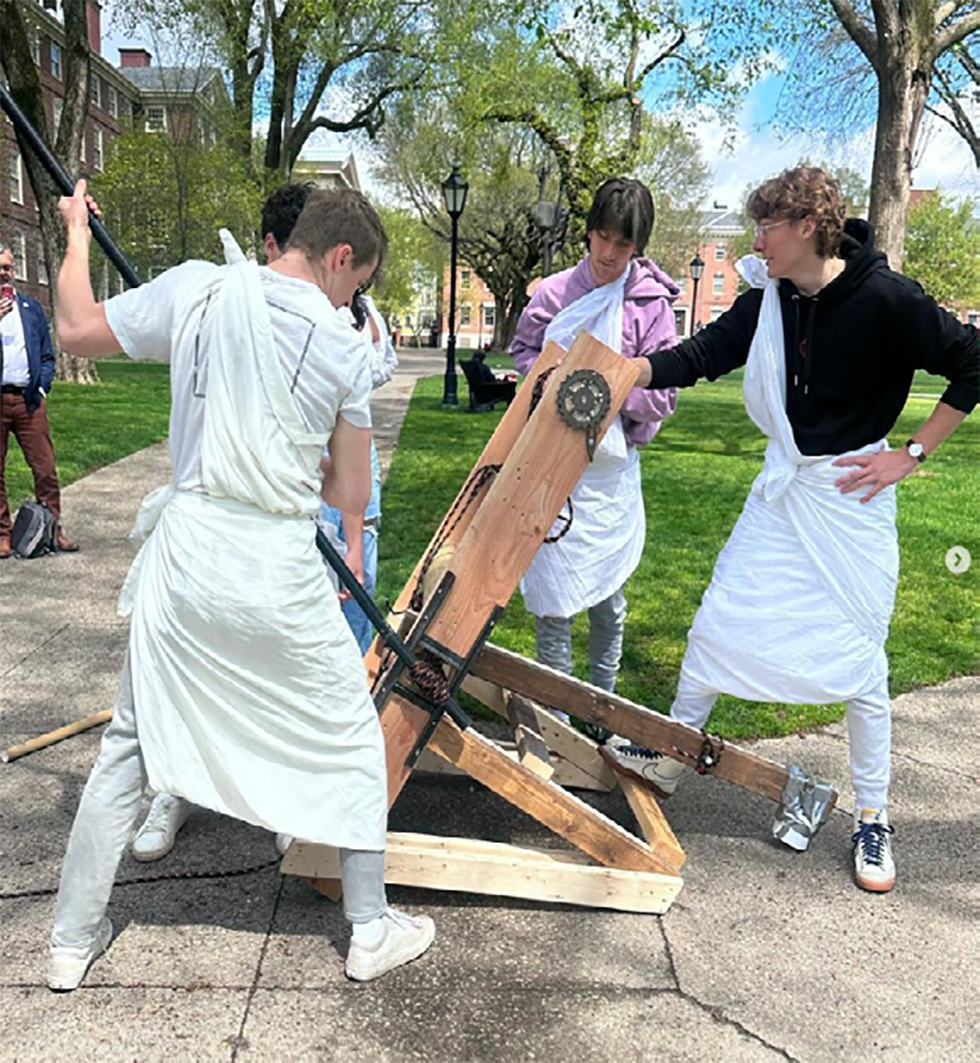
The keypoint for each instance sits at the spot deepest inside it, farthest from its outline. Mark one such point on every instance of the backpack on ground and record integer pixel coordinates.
(34, 530)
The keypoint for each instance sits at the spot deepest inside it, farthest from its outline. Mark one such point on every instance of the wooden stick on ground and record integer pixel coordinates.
(49, 739)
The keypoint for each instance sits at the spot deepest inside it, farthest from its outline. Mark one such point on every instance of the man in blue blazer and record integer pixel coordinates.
(27, 361)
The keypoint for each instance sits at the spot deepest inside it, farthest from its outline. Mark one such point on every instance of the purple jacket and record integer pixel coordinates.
(648, 326)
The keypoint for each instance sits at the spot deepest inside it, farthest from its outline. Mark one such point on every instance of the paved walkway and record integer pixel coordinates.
(766, 955)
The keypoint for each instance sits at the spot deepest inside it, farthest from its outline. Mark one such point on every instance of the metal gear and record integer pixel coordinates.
(583, 402)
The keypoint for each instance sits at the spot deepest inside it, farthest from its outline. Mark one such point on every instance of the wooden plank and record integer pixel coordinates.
(566, 774)
(588, 830)
(640, 725)
(508, 529)
(553, 876)
(531, 747)
(565, 744)
(652, 821)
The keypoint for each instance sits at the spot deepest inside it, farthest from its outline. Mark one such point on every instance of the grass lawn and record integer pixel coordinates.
(95, 425)
(696, 476)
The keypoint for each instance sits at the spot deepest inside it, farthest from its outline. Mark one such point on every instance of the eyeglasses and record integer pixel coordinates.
(762, 228)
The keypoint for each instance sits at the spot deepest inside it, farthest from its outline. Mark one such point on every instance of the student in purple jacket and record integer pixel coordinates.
(626, 301)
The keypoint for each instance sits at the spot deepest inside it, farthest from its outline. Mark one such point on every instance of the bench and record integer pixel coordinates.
(485, 394)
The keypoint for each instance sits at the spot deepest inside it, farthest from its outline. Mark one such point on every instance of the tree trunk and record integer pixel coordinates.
(510, 306)
(25, 87)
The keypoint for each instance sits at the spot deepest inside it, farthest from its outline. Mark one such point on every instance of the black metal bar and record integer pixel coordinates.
(61, 178)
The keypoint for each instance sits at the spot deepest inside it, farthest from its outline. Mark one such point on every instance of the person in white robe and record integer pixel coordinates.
(243, 689)
(801, 598)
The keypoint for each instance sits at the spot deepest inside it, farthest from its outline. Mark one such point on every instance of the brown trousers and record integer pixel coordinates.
(32, 432)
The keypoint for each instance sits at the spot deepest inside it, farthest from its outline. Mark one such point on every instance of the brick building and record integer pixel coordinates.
(172, 100)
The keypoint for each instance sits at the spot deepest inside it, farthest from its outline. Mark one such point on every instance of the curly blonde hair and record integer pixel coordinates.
(803, 192)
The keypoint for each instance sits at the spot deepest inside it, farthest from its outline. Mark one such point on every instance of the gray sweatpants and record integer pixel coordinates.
(105, 820)
(606, 622)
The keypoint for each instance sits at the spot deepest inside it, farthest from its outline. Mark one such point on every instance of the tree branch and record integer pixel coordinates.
(945, 39)
(857, 30)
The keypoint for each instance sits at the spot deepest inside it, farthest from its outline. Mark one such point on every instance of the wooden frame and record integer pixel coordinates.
(487, 540)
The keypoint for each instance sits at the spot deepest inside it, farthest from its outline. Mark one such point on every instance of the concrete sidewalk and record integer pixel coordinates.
(766, 955)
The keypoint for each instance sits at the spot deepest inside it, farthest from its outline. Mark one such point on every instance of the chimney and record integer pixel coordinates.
(133, 57)
(93, 12)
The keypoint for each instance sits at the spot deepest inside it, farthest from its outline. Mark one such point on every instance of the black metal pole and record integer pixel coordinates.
(449, 394)
(694, 306)
(60, 177)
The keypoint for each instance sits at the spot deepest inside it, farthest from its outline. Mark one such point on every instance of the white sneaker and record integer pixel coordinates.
(403, 938)
(67, 966)
(283, 842)
(159, 831)
(659, 772)
(874, 868)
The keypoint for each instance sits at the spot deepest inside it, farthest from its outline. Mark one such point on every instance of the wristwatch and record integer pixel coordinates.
(916, 450)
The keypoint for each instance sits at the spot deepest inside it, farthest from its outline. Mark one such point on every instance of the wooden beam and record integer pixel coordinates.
(652, 821)
(548, 875)
(531, 747)
(565, 743)
(639, 724)
(566, 774)
(588, 830)
(508, 529)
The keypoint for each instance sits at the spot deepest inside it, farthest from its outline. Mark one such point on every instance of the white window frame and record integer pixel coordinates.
(56, 60)
(42, 269)
(95, 90)
(490, 315)
(149, 123)
(98, 148)
(18, 245)
(83, 150)
(718, 284)
(716, 312)
(16, 175)
(465, 276)
(113, 101)
(34, 39)
(465, 315)
(720, 252)
(57, 107)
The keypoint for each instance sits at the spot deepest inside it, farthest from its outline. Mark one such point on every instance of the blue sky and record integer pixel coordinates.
(759, 150)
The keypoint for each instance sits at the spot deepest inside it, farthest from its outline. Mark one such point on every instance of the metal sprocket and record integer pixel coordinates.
(584, 399)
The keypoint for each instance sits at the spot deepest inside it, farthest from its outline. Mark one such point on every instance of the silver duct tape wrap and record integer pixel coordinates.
(806, 806)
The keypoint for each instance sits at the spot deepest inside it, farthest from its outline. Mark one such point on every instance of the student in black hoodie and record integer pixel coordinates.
(801, 597)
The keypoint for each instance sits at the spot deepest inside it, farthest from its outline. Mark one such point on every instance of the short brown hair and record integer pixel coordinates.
(803, 192)
(336, 217)
(625, 206)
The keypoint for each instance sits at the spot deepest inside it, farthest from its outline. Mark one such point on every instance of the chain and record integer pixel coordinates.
(567, 522)
(538, 390)
(477, 481)
(428, 676)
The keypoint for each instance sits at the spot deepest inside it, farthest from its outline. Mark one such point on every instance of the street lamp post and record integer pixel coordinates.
(697, 272)
(454, 190)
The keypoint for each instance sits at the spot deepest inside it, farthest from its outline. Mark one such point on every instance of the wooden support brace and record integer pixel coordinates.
(577, 758)
(588, 830)
(550, 875)
(652, 821)
(531, 747)
(639, 724)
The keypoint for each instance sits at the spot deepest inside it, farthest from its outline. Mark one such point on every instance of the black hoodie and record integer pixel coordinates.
(851, 350)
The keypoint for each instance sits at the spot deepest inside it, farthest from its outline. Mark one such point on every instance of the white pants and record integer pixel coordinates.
(869, 726)
(107, 815)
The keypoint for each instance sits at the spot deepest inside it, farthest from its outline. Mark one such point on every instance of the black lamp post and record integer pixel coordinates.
(697, 272)
(454, 190)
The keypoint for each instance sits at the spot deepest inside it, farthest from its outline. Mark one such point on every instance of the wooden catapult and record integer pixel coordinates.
(447, 610)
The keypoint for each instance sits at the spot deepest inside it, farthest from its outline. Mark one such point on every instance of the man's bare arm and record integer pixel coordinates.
(82, 326)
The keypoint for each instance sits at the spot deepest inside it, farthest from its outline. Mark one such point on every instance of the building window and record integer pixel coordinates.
(156, 119)
(719, 252)
(83, 150)
(16, 178)
(42, 266)
(465, 314)
(56, 60)
(96, 91)
(113, 102)
(489, 316)
(34, 41)
(716, 312)
(464, 280)
(19, 248)
(718, 284)
(57, 106)
(97, 148)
